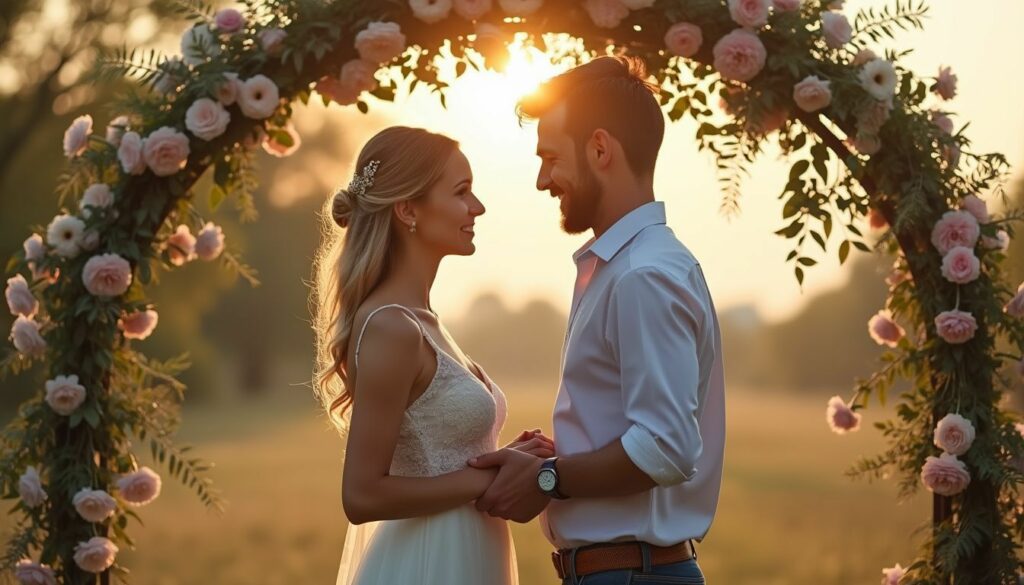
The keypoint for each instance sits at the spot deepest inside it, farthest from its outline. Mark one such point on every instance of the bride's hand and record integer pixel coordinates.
(535, 443)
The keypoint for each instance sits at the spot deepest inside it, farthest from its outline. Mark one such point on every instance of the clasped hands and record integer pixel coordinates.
(514, 494)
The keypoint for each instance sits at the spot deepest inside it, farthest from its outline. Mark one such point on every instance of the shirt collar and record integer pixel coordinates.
(622, 231)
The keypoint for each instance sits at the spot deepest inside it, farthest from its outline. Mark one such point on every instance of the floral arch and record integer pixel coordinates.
(860, 131)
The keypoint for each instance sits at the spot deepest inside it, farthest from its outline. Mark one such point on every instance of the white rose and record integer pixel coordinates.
(130, 154)
(26, 337)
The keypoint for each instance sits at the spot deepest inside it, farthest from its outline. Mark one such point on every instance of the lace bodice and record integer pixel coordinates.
(456, 418)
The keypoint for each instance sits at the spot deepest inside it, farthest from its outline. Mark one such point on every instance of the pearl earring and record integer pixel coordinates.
(412, 228)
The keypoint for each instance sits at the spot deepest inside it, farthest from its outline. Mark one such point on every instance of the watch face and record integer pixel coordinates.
(547, 480)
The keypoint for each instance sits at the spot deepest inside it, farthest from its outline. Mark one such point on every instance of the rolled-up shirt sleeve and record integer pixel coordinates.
(653, 330)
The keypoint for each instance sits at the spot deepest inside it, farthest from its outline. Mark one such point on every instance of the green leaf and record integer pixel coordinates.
(217, 196)
(798, 169)
(844, 251)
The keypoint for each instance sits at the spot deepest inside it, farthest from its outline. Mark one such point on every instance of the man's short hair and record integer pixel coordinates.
(612, 93)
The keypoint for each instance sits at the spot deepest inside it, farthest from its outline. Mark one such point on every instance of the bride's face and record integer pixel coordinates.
(445, 216)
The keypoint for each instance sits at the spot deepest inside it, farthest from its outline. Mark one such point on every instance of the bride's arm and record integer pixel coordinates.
(390, 359)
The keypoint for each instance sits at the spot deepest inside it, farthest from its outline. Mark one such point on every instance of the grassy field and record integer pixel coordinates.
(787, 513)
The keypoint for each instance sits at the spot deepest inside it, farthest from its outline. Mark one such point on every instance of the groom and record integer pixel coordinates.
(639, 421)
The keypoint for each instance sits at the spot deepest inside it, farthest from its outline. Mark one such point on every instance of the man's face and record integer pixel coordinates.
(565, 174)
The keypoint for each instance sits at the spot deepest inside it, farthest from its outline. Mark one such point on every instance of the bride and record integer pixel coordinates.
(417, 407)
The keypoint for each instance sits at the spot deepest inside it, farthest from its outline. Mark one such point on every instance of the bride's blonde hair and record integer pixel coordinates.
(357, 238)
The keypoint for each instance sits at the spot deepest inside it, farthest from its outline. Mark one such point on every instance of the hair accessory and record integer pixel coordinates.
(364, 180)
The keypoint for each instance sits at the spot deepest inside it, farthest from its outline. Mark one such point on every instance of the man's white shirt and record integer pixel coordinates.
(641, 364)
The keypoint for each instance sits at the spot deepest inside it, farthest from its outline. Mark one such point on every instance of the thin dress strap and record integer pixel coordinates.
(407, 310)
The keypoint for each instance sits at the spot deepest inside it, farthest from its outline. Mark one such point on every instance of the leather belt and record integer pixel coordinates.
(619, 556)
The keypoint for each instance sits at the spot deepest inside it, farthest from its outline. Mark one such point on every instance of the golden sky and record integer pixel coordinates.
(522, 253)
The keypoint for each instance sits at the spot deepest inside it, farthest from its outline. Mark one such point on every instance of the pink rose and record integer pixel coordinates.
(380, 42)
(606, 13)
(95, 555)
(94, 505)
(30, 488)
(750, 13)
(739, 55)
(812, 94)
(770, 121)
(228, 90)
(945, 475)
(259, 97)
(841, 418)
(34, 248)
(116, 129)
(520, 7)
(430, 11)
(281, 147)
(892, 575)
(472, 9)
(787, 5)
(65, 394)
(130, 154)
(359, 76)
(876, 219)
(96, 196)
(945, 84)
(863, 57)
(107, 275)
(960, 265)
(684, 39)
(139, 488)
(29, 573)
(975, 206)
(884, 330)
(206, 119)
(955, 326)
(1014, 308)
(138, 324)
(871, 118)
(181, 246)
(19, 297)
(166, 151)
(209, 242)
(272, 39)
(1000, 242)
(76, 137)
(954, 434)
(942, 122)
(836, 29)
(333, 89)
(956, 228)
(26, 338)
(229, 21)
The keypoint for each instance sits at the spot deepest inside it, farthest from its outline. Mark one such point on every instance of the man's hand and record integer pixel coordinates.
(535, 443)
(513, 494)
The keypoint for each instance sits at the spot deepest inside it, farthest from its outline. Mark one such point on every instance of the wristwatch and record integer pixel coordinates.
(547, 479)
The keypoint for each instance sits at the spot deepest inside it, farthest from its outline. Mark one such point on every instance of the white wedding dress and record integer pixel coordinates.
(456, 418)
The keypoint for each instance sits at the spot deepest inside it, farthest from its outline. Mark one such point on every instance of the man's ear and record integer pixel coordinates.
(599, 149)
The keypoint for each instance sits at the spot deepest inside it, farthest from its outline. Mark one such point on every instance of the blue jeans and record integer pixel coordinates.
(684, 573)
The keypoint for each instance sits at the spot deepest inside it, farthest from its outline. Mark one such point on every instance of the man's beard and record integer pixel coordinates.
(581, 207)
